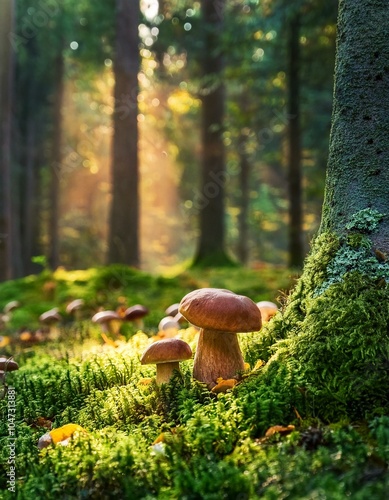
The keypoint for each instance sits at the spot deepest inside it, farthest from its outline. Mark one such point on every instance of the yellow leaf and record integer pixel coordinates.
(223, 385)
(65, 432)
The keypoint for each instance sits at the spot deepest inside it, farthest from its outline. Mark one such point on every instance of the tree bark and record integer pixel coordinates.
(358, 165)
(6, 85)
(244, 182)
(296, 247)
(124, 215)
(210, 201)
(54, 195)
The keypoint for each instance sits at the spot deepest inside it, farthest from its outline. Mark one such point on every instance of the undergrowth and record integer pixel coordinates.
(321, 365)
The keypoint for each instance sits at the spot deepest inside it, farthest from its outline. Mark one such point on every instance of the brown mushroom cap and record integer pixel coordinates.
(8, 365)
(166, 351)
(135, 312)
(11, 306)
(105, 316)
(172, 310)
(221, 310)
(74, 305)
(51, 316)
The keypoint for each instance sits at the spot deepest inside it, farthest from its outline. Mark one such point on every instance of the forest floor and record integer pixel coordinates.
(134, 439)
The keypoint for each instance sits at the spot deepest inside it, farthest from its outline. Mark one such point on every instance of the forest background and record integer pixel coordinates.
(263, 70)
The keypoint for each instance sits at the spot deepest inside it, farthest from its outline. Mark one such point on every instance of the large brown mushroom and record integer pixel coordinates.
(220, 314)
(166, 354)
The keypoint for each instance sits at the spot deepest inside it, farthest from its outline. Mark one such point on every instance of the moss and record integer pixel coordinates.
(333, 333)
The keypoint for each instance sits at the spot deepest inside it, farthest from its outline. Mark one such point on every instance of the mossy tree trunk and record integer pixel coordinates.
(333, 331)
(358, 166)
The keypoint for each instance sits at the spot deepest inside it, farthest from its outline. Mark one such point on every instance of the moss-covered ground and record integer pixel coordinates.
(325, 372)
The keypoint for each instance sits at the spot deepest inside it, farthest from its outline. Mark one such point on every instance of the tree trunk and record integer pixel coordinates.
(296, 248)
(54, 194)
(6, 85)
(358, 165)
(244, 182)
(335, 324)
(124, 216)
(210, 201)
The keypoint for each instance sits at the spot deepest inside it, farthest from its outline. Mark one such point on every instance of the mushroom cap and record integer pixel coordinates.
(8, 365)
(166, 351)
(172, 310)
(135, 312)
(10, 306)
(51, 316)
(168, 322)
(221, 310)
(267, 303)
(105, 316)
(74, 305)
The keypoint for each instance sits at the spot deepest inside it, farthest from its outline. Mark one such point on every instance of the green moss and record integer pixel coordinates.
(334, 330)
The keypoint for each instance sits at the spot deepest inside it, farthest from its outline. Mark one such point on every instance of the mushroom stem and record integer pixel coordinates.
(165, 371)
(216, 357)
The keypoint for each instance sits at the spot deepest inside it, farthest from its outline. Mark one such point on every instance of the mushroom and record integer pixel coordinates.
(268, 309)
(108, 320)
(6, 365)
(172, 310)
(11, 306)
(220, 314)
(166, 354)
(168, 326)
(50, 318)
(75, 307)
(136, 314)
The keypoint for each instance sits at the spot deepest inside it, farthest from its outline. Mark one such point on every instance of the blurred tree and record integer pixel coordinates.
(7, 229)
(124, 217)
(211, 245)
(296, 247)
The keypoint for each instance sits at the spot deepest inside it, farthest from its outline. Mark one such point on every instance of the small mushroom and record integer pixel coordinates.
(172, 310)
(168, 327)
(220, 314)
(6, 365)
(74, 308)
(11, 306)
(50, 319)
(108, 320)
(268, 309)
(136, 314)
(166, 354)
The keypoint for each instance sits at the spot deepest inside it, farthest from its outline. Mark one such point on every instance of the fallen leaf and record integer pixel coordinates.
(279, 429)
(65, 432)
(259, 364)
(223, 385)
